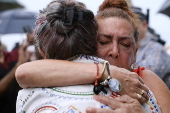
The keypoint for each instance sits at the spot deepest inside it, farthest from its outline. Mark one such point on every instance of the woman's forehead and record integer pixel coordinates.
(115, 23)
(115, 27)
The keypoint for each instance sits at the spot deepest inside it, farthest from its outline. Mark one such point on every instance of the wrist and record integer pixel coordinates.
(113, 83)
(113, 71)
(102, 74)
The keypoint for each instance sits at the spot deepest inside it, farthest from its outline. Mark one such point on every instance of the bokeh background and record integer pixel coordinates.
(158, 21)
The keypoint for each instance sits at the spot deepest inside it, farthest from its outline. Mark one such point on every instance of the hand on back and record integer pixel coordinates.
(131, 83)
(122, 104)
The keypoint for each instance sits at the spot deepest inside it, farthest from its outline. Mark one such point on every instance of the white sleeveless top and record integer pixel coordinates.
(68, 99)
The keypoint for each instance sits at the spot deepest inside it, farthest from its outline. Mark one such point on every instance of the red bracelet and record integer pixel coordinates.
(97, 75)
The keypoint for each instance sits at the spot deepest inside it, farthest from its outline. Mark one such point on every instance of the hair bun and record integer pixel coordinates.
(114, 4)
(54, 17)
(63, 17)
(120, 4)
(89, 14)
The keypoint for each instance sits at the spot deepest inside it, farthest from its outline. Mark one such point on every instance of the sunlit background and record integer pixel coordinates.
(159, 22)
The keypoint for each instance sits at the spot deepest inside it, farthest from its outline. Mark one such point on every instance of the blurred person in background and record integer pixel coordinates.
(35, 54)
(9, 61)
(151, 53)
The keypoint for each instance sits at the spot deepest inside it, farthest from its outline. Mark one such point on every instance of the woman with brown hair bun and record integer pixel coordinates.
(117, 43)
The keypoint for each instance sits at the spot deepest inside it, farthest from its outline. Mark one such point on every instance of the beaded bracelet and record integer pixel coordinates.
(98, 87)
(97, 75)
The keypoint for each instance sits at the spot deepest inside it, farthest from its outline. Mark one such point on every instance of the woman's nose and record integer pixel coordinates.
(114, 51)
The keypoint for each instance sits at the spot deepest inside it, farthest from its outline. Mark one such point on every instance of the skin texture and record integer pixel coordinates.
(116, 42)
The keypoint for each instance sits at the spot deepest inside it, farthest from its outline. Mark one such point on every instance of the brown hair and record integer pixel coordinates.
(59, 41)
(119, 9)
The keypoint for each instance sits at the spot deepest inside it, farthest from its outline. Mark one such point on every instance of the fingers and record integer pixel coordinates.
(30, 39)
(111, 102)
(98, 110)
(143, 86)
(143, 90)
(122, 104)
(132, 85)
(24, 56)
(140, 79)
(144, 97)
(28, 55)
(125, 99)
(138, 87)
(23, 46)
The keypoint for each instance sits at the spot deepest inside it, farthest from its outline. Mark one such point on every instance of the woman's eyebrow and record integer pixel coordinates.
(106, 35)
(126, 38)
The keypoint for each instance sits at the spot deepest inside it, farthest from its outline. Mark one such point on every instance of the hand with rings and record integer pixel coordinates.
(142, 96)
(142, 92)
(119, 105)
(139, 96)
(132, 84)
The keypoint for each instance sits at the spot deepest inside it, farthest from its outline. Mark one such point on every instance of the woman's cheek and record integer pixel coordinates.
(101, 51)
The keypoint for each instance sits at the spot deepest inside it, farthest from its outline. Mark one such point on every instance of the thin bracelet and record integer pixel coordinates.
(105, 82)
(103, 70)
(97, 75)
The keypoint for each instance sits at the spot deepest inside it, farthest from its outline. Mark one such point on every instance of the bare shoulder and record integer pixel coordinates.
(149, 75)
(150, 78)
(153, 81)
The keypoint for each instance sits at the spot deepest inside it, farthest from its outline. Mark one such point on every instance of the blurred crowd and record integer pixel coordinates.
(9, 61)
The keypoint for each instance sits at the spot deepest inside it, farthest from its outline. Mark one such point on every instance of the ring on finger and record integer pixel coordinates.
(142, 92)
(139, 96)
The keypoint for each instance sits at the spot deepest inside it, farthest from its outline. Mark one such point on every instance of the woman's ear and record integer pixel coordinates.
(42, 53)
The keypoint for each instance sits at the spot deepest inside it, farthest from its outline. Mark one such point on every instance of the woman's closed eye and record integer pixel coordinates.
(104, 42)
(125, 45)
